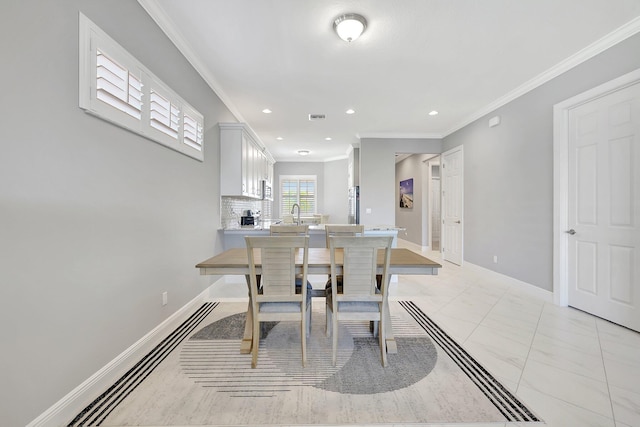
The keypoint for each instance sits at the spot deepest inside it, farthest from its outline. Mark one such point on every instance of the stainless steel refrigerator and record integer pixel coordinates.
(354, 205)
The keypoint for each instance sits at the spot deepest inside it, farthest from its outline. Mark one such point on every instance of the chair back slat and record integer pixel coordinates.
(278, 271)
(277, 260)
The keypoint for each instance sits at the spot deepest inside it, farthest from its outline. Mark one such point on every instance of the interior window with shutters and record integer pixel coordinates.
(300, 189)
(118, 88)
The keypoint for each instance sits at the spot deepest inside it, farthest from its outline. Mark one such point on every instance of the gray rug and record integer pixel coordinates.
(198, 377)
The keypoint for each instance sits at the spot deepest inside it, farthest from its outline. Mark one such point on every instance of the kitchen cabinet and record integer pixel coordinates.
(244, 163)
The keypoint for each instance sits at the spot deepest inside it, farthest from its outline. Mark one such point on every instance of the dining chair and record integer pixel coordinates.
(361, 298)
(278, 299)
(289, 230)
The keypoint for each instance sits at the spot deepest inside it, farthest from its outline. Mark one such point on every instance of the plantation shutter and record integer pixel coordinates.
(117, 86)
(164, 115)
(300, 190)
(192, 132)
(307, 196)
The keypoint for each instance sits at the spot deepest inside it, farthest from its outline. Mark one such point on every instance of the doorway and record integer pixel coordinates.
(596, 213)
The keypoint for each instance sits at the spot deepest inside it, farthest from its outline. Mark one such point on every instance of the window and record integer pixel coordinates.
(300, 189)
(116, 87)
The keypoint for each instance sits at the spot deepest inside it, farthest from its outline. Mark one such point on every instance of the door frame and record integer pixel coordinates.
(561, 178)
(429, 165)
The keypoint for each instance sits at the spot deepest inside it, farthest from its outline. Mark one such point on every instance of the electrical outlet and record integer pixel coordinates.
(165, 298)
(495, 259)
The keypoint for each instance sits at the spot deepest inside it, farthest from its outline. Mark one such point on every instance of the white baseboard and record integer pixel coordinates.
(62, 412)
(533, 290)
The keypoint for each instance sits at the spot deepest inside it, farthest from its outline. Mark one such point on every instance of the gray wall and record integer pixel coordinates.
(508, 182)
(332, 180)
(378, 175)
(95, 221)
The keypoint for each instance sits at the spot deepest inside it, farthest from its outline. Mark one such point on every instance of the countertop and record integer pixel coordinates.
(312, 228)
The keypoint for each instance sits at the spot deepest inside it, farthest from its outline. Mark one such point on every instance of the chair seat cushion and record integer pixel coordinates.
(353, 306)
(356, 307)
(280, 307)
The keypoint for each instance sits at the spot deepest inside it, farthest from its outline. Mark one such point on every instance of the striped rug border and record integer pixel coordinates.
(96, 412)
(502, 399)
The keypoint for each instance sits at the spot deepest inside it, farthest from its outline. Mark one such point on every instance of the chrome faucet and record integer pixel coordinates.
(293, 208)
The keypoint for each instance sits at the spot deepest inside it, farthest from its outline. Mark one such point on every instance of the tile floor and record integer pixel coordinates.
(570, 368)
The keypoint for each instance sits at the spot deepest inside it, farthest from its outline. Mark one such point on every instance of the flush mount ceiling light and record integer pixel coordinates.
(303, 152)
(433, 113)
(349, 26)
(350, 111)
(267, 111)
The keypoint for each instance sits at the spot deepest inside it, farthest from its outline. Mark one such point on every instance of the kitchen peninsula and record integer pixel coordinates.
(234, 237)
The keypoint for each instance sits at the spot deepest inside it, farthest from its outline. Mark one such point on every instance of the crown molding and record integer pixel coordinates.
(398, 135)
(620, 34)
(175, 35)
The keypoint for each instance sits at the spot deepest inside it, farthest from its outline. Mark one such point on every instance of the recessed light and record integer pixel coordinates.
(279, 138)
(350, 111)
(267, 111)
(433, 113)
(303, 152)
(328, 138)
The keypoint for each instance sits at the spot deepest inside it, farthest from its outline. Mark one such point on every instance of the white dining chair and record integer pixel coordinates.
(361, 298)
(278, 298)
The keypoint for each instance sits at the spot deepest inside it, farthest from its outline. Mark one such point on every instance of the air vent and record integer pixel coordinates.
(313, 117)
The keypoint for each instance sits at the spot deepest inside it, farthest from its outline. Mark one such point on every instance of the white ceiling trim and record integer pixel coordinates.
(624, 32)
(171, 30)
(399, 135)
(166, 24)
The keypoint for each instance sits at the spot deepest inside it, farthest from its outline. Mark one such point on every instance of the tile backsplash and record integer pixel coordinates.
(232, 208)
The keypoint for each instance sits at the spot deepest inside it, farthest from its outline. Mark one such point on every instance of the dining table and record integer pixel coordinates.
(235, 262)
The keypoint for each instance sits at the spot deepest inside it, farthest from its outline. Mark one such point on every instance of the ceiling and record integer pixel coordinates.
(461, 58)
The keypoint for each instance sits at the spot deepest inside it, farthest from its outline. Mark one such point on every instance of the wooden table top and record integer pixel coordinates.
(235, 261)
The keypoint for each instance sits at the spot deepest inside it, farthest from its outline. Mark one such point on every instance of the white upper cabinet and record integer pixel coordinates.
(244, 164)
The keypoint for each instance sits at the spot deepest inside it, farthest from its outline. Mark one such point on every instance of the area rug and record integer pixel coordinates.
(197, 376)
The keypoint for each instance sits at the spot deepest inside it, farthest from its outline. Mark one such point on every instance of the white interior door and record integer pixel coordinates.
(604, 206)
(452, 178)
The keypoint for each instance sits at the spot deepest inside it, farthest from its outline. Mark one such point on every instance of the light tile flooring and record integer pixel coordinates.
(570, 368)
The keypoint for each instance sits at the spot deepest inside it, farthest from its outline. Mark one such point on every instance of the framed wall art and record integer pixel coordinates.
(406, 193)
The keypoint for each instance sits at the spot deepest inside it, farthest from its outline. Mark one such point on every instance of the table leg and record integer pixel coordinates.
(247, 338)
(390, 340)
